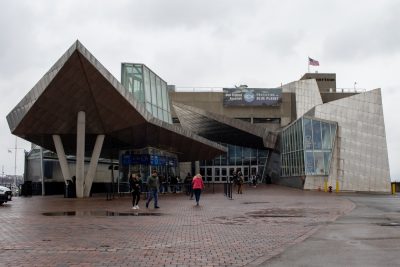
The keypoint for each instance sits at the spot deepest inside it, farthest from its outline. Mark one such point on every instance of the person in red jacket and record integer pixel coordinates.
(197, 185)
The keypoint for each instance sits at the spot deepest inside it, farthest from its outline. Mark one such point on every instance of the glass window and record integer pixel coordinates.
(154, 110)
(148, 107)
(247, 152)
(283, 142)
(309, 163)
(217, 161)
(295, 170)
(238, 155)
(223, 159)
(302, 163)
(317, 134)
(327, 161)
(160, 114)
(262, 153)
(231, 154)
(319, 163)
(300, 135)
(147, 89)
(217, 172)
(153, 88)
(223, 171)
(159, 92)
(164, 96)
(261, 161)
(326, 135)
(307, 133)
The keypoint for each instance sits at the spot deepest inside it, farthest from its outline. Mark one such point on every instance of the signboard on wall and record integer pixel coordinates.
(252, 96)
(145, 159)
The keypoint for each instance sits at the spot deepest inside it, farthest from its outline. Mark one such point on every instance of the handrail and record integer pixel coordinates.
(200, 89)
(349, 90)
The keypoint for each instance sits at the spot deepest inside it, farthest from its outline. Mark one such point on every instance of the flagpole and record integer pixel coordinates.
(308, 64)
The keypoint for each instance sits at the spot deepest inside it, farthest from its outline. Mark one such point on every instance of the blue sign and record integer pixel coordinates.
(145, 159)
(252, 96)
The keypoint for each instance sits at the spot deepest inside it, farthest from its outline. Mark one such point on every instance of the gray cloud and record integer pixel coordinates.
(373, 36)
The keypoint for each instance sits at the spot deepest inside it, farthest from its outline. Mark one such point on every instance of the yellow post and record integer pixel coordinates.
(337, 186)
(393, 188)
(325, 186)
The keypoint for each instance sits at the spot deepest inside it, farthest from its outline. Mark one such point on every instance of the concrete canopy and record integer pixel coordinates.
(78, 82)
(224, 129)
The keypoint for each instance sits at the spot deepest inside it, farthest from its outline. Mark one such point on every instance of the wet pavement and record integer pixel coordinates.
(246, 231)
(368, 236)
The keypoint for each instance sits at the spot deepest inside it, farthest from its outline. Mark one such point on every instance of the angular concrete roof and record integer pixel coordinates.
(220, 128)
(78, 82)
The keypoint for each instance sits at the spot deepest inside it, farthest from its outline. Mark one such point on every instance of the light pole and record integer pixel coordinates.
(15, 159)
(2, 174)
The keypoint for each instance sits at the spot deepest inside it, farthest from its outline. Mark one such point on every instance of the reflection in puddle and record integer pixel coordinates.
(99, 213)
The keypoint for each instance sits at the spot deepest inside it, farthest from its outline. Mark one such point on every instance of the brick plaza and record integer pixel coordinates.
(245, 231)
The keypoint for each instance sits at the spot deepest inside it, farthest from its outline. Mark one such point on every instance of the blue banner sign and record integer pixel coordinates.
(252, 96)
(145, 159)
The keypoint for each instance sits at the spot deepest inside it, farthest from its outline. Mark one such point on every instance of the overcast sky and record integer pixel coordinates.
(206, 43)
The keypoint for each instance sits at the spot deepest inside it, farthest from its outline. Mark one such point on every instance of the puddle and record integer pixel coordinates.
(102, 213)
(389, 224)
(276, 213)
(255, 202)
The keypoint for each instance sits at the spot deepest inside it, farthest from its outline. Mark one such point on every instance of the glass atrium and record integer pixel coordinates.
(248, 160)
(147, 88)
(306, 147)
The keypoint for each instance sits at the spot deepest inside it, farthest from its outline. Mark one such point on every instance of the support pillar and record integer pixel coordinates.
(80, 154)
(61, 157)
(93, 164)
(41, 171)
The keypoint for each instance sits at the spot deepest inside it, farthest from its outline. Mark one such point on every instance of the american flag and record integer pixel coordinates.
(313, 62)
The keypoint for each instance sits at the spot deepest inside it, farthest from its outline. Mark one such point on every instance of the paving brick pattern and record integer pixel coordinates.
(246, 231)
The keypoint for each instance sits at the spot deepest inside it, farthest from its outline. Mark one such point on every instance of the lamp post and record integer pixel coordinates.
(15, 159)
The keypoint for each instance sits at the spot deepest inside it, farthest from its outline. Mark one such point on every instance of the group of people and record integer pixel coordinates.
(153, 187)
(238, 180)
(170, 181)
(194, 186)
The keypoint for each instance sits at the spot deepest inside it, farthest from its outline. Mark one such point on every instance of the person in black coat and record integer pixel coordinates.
(135, 183)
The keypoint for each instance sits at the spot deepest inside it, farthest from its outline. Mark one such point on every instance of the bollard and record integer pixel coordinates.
(393, 188)
(337, 186)
(325, 186)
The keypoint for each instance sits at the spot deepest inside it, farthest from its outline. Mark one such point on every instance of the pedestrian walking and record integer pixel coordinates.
(234, 178)
(240, 184)
(188, 185)
(153, 185)
(254, 180)
(174, 183)
(163, 182)
(197, 185)
(135, 184)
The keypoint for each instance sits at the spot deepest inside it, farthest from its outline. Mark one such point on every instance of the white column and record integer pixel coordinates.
(61, 157)
(80, 154)
(93, 164)
(41, 171)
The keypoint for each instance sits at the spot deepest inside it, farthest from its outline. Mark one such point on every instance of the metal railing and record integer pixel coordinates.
(199, 89)
(348, 90)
